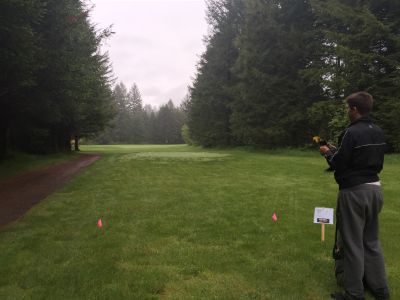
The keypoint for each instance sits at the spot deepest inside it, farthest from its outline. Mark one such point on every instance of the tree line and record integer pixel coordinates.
(274, 73)
(135, 123)
(55, 84)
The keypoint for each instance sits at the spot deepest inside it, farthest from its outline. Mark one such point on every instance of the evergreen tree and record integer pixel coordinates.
(56, 84)
(136, 114)
(55, 94)
(117, 131)
(92, 107)
(361, 41)
(211, 94)
(168, 124)
(19, 48)
(386, 87)
(149, 118)
(277, 45)
(135, 124)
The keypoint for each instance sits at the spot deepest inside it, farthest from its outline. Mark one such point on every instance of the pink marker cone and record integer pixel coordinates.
(274, 217)
(99, 223)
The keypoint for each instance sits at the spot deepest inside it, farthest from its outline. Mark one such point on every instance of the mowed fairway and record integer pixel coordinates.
(182, 222)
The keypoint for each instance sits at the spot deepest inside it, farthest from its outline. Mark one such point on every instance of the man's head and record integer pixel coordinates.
(360, 104)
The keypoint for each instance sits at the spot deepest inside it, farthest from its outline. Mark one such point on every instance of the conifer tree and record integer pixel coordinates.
(361, 41)
(136, 115)
(19, 48)
(211, 93)
(277, 45)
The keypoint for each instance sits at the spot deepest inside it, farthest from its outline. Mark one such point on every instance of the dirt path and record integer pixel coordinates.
(18, 194)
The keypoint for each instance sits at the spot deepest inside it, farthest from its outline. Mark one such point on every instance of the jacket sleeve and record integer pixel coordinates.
(341, 159)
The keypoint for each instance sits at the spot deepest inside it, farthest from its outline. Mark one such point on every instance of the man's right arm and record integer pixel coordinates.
(340, 159)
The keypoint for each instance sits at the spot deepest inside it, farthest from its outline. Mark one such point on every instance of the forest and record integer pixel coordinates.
(136, 123)
(55, 84)
(275, 73)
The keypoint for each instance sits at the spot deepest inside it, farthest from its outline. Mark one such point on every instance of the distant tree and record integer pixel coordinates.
(117, 131)
(149, 123)
(136, 124)
(184, 107)
(136, 115)
(135, 103)
(185, 132)
(168, 124)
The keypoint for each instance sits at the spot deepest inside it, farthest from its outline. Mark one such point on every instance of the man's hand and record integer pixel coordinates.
(324, 149)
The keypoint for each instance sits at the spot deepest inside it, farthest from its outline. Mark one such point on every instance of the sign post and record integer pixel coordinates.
(323, 215)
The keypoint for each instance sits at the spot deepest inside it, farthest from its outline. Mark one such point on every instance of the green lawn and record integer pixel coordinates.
(19, 162)
(182, 222)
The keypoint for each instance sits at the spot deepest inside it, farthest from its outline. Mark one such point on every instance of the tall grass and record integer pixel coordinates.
(186, 223)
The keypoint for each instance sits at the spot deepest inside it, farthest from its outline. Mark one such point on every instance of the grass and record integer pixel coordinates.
(182, 222)
(18, 163)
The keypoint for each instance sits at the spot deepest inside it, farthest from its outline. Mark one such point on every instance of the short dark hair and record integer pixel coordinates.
(362, 100)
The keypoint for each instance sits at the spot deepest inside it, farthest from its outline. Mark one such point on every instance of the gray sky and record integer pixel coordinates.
(157, 44)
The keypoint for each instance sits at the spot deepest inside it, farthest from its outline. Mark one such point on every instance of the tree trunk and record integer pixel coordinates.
(3, 142)
(3, 139)
(76, 144)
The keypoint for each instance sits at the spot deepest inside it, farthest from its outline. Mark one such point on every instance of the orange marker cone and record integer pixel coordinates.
(99, 223)
(274, 217)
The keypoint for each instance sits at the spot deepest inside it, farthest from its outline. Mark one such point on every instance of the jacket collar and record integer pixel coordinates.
(362, 119)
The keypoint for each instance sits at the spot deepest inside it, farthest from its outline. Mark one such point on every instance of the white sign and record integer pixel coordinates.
(323, 215)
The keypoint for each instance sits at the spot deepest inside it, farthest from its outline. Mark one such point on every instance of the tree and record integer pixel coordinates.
(271, 67)
(168, 124)
(66, 91)
(149, 118)
(185, 132)
(136, 124)
(19, 47)
(277, 45)
(327, 119)
(363, 53)
(117, 131)
(136, 115)
(211, 94)
(93, 106)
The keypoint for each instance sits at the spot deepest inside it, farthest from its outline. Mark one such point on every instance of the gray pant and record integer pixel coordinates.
(357, 218)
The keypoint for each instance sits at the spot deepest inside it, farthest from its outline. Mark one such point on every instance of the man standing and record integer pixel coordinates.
(357, 162)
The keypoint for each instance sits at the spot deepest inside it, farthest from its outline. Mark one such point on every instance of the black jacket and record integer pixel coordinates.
(359, 157)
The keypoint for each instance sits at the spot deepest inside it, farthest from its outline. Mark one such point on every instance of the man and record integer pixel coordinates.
(357, 162)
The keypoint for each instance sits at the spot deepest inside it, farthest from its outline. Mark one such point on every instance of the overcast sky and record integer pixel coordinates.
(157, 44)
